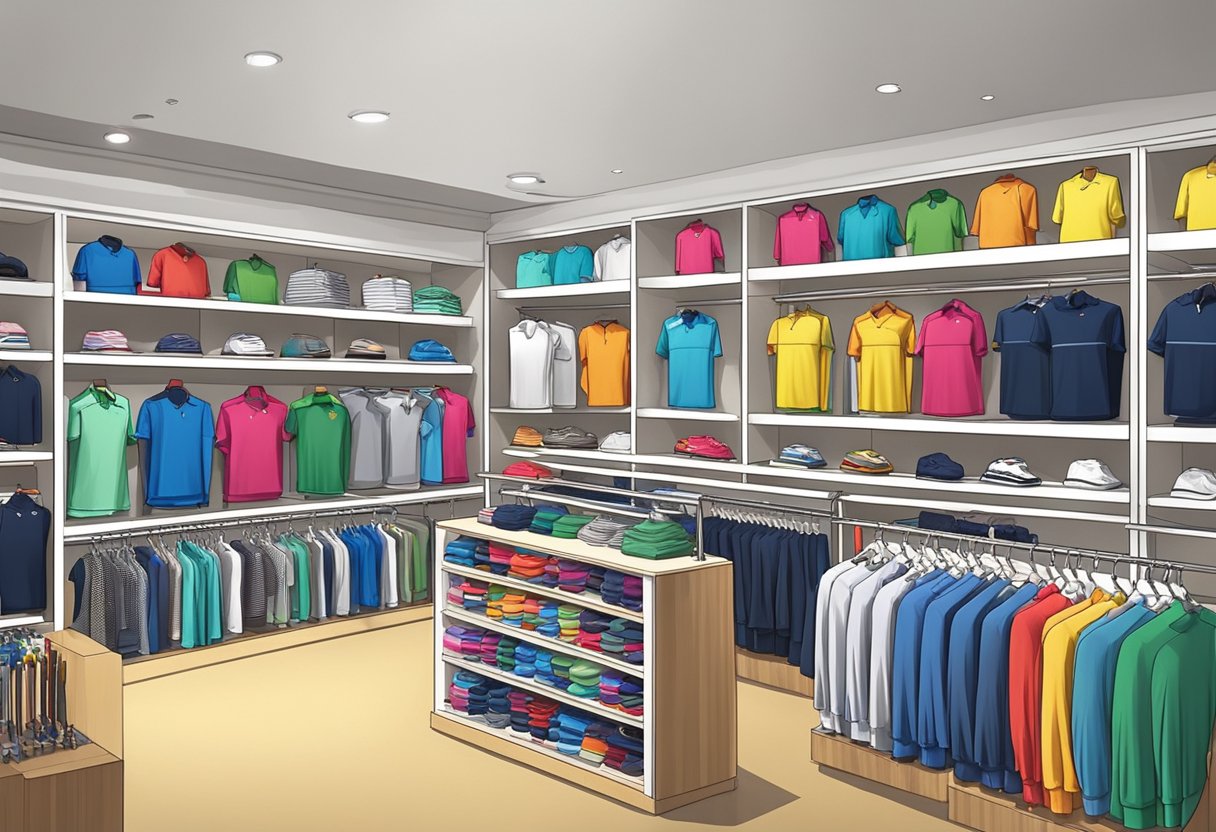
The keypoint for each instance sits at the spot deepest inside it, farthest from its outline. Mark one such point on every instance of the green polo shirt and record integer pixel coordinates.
(320, 425)
(252, 281)
(99, 431)
(936, 222)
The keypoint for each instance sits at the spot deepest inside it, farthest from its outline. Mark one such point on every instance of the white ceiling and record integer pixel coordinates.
(482, 88)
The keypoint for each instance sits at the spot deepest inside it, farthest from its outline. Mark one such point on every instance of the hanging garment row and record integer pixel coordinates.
(204, 588)
(1061, 685)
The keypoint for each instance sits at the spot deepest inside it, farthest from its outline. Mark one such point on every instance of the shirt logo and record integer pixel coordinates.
(332, 415)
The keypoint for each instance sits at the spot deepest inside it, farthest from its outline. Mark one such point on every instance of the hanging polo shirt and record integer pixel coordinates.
(24, 528)
(534, 346)
(250, 433)
(697, 247)
(882, 657)
(1025, 364)
(962, 679)
(835, 639)
(1085, 336)
(803, 344)
(1185, 335)
(603, 350)
(883, 341)
(905, 673)
(252, 281)
(179, 272)
(802, 236)
(565, 380)
(1006, 213)
(404, 429)
(320, 425)
(952, 343)
(613, 260)
(532, 269)
(431, 464)
(869, 229)
(572, 264)
(823, 678)
(99, 431)
(458, 427)
(20, 407)
(858, 640)
(1088, 209)
(367, 431)
(106, 265)
(937, 222)
(179, 435)
(1197, 198)
(690, 342)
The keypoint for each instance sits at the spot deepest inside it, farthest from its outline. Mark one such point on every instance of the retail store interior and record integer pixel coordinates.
(635, 416)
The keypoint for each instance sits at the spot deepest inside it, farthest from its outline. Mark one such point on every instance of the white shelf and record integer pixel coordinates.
(349, 501)
(568, 291)
(268, 363)
(591, 706)
(936, 503)
(682, 413)
(589, 600)
(27, 288)
(26, 355)
(1165, 501)
(24, 457)
(214, 304)
(929, 424)
(668, 460)
(532, 637)
(542, 411)
(1182, 240)
(1175, 433)
(691, 281)
(22, 620)
(1033, 256)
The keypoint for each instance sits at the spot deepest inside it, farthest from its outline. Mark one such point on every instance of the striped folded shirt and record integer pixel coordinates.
(317, 287)
(388, 294)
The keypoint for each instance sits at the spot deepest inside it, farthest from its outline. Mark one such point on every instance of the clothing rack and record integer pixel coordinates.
(722, 302)
(960, 288)
(526, 310)
(1205, 274)
(604, 508)
(705, 500)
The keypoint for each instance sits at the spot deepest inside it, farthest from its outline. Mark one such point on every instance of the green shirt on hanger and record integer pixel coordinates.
(937, 222)
(320, 425)
(301, 593)
(252, 281)
(99, 431)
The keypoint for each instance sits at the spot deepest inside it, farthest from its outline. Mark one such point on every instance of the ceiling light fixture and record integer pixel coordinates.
(616, 170)
(142, 116)
(987, 97)
(117, 137)
(888, 89)
(368, 116)
(526, 178)
(263, 59)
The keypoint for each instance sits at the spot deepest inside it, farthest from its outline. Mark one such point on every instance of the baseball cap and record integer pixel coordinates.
(866, 461)
(105, 340)
(12, 269)
(1195, 484)
(13, 336)
(428, 349)
(305, 346)
(1091, 473)
(799, 455)
(244, 343)
(179, 342)
(526, 436)
(938, 466)
(365, 348)
(617, 442)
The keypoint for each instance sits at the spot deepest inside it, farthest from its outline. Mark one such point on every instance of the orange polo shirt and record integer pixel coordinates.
(179, 272)
(603, 350)
(1006, 213)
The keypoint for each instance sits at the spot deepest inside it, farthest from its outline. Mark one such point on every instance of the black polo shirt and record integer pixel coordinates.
(20, 407)
(24, 528)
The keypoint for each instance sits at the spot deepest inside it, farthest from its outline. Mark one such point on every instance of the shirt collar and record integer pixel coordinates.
(21, 502)
(692, 318)
(1200, 297)
(112, 243)
(183, 251)
(1077, 300)
(12, 371)
(937, 196)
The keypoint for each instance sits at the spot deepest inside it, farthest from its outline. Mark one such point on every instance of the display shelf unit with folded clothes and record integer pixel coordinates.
(503, 641)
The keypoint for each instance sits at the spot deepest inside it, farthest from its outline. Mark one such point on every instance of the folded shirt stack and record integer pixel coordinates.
(595, 577)
(606, 531)
(525, 660)
(528, 470)
(866, 462)
(317, 287)
(799, 456)
(625, 751)
(571, 437)
(486, 515)
(436, 300)
(481, 555)
(656, 539)
(585, 679)
(459, 691)
(623, 639)
(498, 714)
(546, 516)
(526, 437)
(388, 294)
(461, 551)
(567, 621)
(512, 517)
(622, 590)
(572, 576)
(489, 648)
(527, 566)
(595, 744)
(519, 709)
(541, 713)
(428, 349)
(499, 558)
(571, 728)
(505, 658)
(567, 527)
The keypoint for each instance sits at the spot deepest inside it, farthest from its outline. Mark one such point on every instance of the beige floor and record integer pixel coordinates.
(334, 736)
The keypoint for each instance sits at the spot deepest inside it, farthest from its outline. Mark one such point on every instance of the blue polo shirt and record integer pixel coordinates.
(1025, 364)
(905, 667)
(1086, 339)
(869, 229)
(106, 265)
(962, 668)
(1185, 335)
(690, 342)
(430, 462)
(572, 264)
(20, 407)
(24, 528)
(532, 269)
(179, 436)
(932, 719)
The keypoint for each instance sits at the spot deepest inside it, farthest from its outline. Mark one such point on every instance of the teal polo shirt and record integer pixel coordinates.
(869, 229)
(690, 342)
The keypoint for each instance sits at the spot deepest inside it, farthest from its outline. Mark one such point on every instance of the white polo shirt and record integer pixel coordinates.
(565, 370)
(613, 259)
(534, 346)
(882, 643)
(857, 651)
(823, 679)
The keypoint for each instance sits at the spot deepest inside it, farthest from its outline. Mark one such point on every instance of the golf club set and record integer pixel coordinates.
(33, 698)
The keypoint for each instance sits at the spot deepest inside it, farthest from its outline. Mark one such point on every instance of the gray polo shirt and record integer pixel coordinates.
(366, 437)
(403, 429)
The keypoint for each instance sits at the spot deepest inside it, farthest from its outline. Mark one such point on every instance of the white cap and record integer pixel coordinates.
(243, 343)
(1195, 484)
(618, 442)
(1091, 473)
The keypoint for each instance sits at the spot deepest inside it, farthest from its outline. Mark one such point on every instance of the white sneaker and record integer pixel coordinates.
(1011, 470)
(1091, 473)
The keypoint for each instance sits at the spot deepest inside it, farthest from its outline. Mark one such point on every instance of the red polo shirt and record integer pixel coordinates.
(179, 272)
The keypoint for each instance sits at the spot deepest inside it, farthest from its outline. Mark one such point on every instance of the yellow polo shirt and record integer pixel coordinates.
(1089, 210)
(1197, 198)
(802, 342)
(883, 341)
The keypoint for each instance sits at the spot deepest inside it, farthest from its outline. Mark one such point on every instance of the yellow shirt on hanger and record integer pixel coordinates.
(1061, 791)
(1197, 198)
(802, 342)
(883, 341)
(1089, 210)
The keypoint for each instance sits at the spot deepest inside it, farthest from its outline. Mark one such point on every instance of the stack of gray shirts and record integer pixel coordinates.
(388, 294)
(317, 287)
(606, 531)
(570, 437)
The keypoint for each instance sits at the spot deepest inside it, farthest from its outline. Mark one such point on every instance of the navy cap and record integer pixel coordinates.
(179, 342)
(938, 467)
(12, 268)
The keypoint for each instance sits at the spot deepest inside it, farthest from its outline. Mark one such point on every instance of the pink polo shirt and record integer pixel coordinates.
(458, 428)
(250, 433)
(952, 343)
(697, 247)
(802, 236)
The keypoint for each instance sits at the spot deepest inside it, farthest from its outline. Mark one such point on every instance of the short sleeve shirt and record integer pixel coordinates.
(869, 229)
(252, 281)
(179, 272)
(99, 430)
(697, 247)
(1087, 343)
(404, 428)
(952, 342)
(532, 269)
(106, 265)
(20, 407)
(250, 433)
(367, 428)
(1197, 198)
(803, 345)
(883, 343)
(802, 236)
(458, 428)
(572, 264)
(603, 350)
(690, 342)
(431, 465)
(1006, 214)
(1185, 335)
(937, 222)
(320, 424)
(1088, 209)
(179, 435)
(613, 260)
(1025, 363)
(534, 346)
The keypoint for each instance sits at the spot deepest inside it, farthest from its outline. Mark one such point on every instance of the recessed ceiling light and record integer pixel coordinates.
(368, 116)
(172, 102)
(117, 137)
(616, 170)
(888, 89)
(526, 178)
(263, 59)
(142, 116)
(988, 97)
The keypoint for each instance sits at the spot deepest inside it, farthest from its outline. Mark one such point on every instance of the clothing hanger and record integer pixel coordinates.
(1089, 172)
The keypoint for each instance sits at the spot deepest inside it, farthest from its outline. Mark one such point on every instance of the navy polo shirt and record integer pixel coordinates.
(24, 528)
(1025, 364)
(1087, 343)
(1185, 335)
(179, 433)
(106, 265)
(963, 668)
(20, 407)
(932, 717)
(905, 667)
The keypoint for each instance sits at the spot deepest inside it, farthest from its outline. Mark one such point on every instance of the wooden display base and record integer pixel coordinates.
(553, 764)
(68, 790)
(835, 751)
(773, 672)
